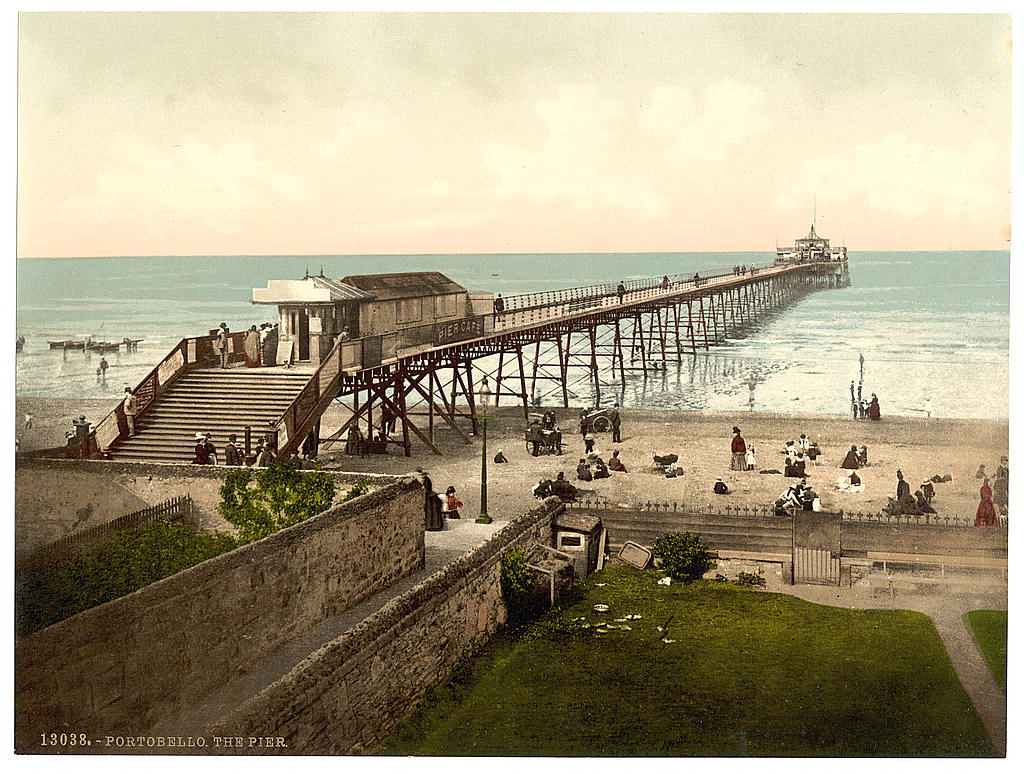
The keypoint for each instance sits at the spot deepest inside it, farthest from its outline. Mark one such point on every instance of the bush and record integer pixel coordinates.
(278, 497)
(128, 561)
(516, 583)
(683, 557)
(750, 579)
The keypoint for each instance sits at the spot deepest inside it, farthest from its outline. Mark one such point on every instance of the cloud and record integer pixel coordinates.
(907, 179)
(222, 187)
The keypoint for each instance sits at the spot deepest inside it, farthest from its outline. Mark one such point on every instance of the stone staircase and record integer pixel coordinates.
(213, 400)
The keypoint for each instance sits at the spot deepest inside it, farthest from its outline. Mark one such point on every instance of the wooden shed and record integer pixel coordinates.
(580, 536)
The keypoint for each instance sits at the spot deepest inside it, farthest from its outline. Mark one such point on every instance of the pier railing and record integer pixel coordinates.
(187, 353)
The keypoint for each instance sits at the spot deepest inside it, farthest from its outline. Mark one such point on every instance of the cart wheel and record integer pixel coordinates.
(601, 424)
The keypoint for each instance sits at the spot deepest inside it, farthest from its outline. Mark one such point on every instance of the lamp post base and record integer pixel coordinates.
(483, 518)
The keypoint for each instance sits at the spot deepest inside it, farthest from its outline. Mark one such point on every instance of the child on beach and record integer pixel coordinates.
(451, 503)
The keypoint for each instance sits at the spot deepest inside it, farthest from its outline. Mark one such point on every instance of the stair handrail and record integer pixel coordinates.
(188, 353)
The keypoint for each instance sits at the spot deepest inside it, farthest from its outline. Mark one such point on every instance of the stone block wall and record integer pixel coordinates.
(348, 695)
(127, 664)
(56, 498)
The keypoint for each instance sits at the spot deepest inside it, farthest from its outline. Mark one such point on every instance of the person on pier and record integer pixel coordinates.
(268, 341)
(251, 348)
(985, 516)
(664, 282)
(851, 462)
(696, 279)
(221, 343)
(874, 411)
(620, 291)
(616, 464)
(499, 307)
(739, 451)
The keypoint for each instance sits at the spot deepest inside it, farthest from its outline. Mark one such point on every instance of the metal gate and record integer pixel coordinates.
(816, 547)
(811, 565)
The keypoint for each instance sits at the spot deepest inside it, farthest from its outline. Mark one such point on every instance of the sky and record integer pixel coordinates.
(346, 133)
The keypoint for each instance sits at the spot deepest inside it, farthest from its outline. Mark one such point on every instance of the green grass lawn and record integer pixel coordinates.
(989, 630)
(748, 673)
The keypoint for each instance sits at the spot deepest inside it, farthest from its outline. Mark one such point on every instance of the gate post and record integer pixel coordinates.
(817, 547)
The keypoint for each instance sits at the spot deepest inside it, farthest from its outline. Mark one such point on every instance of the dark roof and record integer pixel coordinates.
(412, 284)
(577, 522)
(340, 291)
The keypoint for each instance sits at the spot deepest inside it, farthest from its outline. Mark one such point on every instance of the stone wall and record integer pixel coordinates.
(57, 498)
(127, 664)
(350, 693)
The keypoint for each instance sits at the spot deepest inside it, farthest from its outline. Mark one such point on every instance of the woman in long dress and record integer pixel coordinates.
(874, 411)
(251, 348)
(986, 515)
(851, 462)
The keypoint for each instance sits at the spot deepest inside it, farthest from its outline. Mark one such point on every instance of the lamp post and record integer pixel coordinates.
(483, 403)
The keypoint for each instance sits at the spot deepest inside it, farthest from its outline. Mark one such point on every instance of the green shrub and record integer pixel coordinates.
(262, 502)
(128, 561)
(682, 556)
(516, 586)
(359, 488)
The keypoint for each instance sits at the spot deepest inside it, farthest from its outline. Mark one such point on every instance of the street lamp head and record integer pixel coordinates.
(485, 395)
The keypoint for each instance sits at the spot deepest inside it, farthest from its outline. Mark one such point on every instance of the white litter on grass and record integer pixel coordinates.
(666, 581)
(600, 584)
(633, 617)
(667, 642)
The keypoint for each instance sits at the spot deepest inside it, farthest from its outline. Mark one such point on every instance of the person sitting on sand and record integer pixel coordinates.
(616, 464)
(852, 462)
(791, 469)
(928, 490)
(922, 502)
(500, 457)
(562, 489)
(800, 463)
(849, 483)
(583, 471)
(720, 487)
(600, 469)
(543, 488)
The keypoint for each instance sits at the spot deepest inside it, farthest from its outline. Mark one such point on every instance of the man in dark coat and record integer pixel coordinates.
(433, 519)
(620, 291)
(232, 454)
(739, 451)
(616, 424)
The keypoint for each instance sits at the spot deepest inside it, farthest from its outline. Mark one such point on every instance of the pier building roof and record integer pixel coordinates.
(411, 284)
(309, 290)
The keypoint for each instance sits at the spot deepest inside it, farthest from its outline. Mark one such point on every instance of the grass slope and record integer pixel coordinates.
(749, 673)
(989, 630)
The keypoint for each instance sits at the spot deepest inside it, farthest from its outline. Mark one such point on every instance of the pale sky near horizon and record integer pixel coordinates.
(310, 133)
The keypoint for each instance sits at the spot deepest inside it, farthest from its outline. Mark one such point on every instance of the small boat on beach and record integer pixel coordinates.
(68, 344)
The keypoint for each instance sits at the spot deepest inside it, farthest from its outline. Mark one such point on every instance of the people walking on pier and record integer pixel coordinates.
(664, 282)
(985, 516)
(874, 411)
(131, 408)
(696, 279)
(739, 451)
(269, 344)
(616, 418)
(251, 348)
(220, 344)
(201, 457)
(620, 291)
(499, 307)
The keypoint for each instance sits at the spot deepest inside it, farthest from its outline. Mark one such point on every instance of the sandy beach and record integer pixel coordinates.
(920, 447)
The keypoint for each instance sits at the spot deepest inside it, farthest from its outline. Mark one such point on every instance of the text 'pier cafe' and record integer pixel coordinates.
(384, 314)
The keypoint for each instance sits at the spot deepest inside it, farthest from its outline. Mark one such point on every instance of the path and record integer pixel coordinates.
(442, 548)
(947, 610)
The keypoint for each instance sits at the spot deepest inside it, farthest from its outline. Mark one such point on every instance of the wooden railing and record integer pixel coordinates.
(187, 354)
(68, 548)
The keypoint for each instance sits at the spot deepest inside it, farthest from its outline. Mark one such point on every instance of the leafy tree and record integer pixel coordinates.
(683, 556)
(262, 502)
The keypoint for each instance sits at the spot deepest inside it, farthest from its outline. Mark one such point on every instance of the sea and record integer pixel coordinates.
(933, 327)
